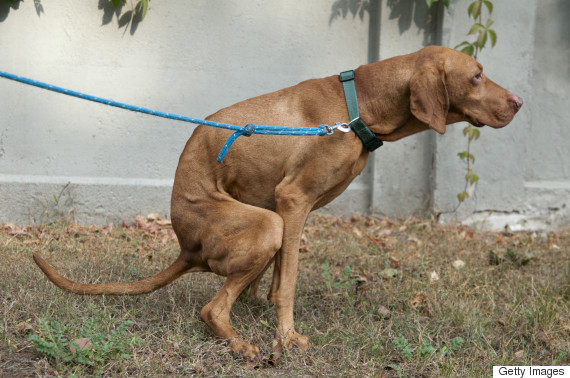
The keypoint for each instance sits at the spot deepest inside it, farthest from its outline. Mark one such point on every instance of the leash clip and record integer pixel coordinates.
(343, 127)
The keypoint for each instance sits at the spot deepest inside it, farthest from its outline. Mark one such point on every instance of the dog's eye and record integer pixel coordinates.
(478, 77)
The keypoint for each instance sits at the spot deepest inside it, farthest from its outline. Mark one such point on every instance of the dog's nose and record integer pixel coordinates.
(515, 101)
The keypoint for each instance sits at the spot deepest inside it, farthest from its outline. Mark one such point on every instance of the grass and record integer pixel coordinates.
(377, 297)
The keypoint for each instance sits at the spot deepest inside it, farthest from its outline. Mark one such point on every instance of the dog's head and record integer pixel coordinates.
(449, 86)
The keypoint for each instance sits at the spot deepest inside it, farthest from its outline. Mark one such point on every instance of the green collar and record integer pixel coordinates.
(368, 138)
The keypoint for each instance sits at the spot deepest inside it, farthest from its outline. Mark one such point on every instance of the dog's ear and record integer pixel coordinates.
(429, 101)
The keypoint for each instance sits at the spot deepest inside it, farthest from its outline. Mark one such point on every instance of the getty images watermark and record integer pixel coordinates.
(531, 371)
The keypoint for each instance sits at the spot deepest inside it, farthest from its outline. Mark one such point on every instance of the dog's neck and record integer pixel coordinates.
(386, 110)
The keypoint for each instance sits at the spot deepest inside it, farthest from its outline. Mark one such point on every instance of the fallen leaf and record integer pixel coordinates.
(383, 313)
(389, 273)
(418, 300)
(277, 351)
(418, 242)
(458, 264)
(107, 230)
(13, 229)
(153, 217)
(394, 262)
(141, 222)
(433, 276)
(360, 280)
(542, 337)
(386, 222)
(23, 328)
(164, 222)
(357, 232)
(519, 354)
(82, 343)
(304, 249)
(383, 232)
(354, 218)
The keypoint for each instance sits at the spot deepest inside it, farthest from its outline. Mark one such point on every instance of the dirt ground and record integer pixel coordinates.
(376, 296)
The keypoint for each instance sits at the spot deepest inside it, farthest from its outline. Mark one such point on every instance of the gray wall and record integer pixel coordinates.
(193, 58)
(525, 167)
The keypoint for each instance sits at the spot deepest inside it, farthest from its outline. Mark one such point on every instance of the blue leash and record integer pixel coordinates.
(246, 130)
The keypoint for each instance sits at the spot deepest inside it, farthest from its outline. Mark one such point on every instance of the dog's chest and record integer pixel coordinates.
(345, 176)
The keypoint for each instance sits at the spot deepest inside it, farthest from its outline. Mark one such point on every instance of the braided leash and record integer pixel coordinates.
(246, 130)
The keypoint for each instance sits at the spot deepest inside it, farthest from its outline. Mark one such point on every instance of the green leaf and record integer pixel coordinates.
(446, 3)
(482, 39)
(462, 196)
(489, 6)
(430, 3)
(492, 36)
(265, 323)
(467, 129)
(456, 343)
(464, 43)
(466, 155)
(144, 8)
(474, 9)
(469, 50)
(115, 3)
(474, 178)
(489, 23)
(471, 6)
(475, 28)
(474, 133)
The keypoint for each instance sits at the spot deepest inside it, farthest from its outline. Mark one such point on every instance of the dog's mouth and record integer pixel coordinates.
(476, 121)
(479, 123)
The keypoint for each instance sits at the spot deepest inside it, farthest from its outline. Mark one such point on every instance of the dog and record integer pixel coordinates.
(238, 217)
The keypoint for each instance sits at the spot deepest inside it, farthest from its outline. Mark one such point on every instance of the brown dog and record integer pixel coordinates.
(237, 217)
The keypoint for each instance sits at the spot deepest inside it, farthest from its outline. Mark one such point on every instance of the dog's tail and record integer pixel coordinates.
(178, 268)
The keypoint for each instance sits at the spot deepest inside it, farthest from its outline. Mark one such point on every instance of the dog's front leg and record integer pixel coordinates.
(294, 209)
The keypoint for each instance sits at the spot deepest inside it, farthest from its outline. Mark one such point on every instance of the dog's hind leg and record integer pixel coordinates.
(239, 244)
(252, 290)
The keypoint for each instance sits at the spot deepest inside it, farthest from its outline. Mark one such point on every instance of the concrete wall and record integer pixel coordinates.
(193, 58)
(189, 58)
(524, 168)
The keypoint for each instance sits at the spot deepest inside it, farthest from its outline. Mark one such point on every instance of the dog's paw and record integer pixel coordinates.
(244, 350)
(294, 342)
(297, 342)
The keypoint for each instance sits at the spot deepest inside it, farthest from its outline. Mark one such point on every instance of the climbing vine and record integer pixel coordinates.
(482, 33)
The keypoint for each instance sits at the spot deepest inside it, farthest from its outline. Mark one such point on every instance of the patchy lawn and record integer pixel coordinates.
(377, 297)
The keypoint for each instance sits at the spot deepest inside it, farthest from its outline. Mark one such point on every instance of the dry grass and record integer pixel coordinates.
(377, 298)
